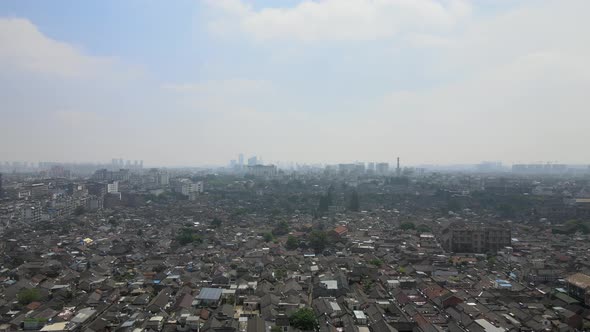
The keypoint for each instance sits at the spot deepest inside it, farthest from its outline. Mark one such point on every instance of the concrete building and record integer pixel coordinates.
(163, 179)
(578, 286)
(347, 168)
(187, 187)
(39, 190)
(539, 168)
(262, 170)
(382, 168)
(113, 187)
(467, 238)
(31, 212)
(252, 161)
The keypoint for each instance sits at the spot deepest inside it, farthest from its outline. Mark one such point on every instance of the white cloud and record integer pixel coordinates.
(533, 108)
(511, 86)
(340, 19)
(23, 46)
(229, 86)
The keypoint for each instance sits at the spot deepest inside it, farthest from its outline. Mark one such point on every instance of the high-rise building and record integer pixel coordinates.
(241, 159)
(382, 168)
(252, 161)
(346, 168)
(113, 187)
(164, 178)
(398, 170)
(1, 192)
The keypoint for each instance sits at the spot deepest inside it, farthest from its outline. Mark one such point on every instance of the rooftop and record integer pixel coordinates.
(579, 280)
(210, 294)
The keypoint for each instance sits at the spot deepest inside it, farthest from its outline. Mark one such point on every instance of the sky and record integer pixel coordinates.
(196, 82)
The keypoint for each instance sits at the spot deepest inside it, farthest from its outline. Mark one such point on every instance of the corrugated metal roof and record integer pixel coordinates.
(210, 294)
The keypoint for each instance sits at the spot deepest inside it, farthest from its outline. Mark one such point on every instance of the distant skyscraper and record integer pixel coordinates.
(252, 161)
(141, 164)
(398, 171)
(382, 168)
(241, 159)
(1, 192)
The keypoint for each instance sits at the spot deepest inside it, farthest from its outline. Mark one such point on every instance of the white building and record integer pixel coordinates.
(186, 187)
(261, 170)
(113, 187)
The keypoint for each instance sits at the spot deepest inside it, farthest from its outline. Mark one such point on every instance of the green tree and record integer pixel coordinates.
(292, 243)
(280, 273)
(376, 261)
(216, 222)
(267, 237)
(323, 204)
(408, 225)
(276, 329)
(491, 260)
(80, 210)
(353, 202)
(187, 236)
(26, 296)
(423, 229)
(368, 285)
(318, 240)
(304, 319)
(281, 228)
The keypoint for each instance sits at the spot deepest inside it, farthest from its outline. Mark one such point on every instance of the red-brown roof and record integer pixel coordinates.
(340, 230)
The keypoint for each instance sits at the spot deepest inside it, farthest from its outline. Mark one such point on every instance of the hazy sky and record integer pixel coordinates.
(196, 82)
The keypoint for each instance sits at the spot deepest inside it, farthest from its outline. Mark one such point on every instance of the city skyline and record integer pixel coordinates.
(446, 82)
(294, 166)
(393, 164)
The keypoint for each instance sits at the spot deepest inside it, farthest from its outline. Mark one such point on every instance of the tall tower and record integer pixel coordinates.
(398, 171)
